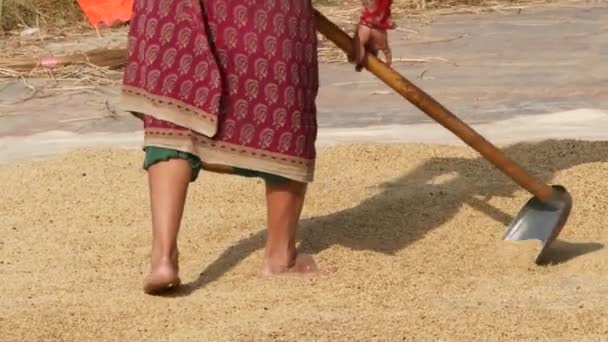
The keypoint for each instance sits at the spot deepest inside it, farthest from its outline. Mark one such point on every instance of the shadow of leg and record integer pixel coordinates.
(228, 260)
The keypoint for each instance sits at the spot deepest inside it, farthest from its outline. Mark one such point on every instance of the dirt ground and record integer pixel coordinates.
(408, 236)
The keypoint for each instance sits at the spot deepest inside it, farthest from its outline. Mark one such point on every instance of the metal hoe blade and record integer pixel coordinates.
(541, 221)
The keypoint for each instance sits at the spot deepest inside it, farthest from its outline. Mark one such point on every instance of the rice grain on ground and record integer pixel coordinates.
(407, 237)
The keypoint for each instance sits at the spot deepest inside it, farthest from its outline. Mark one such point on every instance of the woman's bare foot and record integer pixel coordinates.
(163, 277)
(300, 265)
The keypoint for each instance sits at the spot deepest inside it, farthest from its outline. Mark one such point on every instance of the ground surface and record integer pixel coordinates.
(408, 238)
(407, 235)
(530, 69)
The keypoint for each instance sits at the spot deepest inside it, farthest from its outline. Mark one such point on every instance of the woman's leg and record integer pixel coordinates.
(284, 206)
(168, 182)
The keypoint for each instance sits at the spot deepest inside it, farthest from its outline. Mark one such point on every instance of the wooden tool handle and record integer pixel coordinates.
(436, 111)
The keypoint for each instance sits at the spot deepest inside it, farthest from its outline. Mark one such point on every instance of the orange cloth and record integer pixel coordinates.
(107, 12)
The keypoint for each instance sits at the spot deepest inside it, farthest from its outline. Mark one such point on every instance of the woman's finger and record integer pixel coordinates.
(362, 36)
(379, 42)
(388, 55)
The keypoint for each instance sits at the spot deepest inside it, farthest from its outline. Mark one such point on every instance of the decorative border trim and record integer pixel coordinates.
(138, 101)
(218, 156)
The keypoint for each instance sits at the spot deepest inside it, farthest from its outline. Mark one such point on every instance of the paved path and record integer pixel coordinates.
(535, 75)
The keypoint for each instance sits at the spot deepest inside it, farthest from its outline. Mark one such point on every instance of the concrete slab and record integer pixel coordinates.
(582, 124)
(534, 75)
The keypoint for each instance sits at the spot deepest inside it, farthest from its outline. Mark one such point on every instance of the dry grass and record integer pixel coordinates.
(105, 58)
(64, 18)
(345, 14)
(16, 14)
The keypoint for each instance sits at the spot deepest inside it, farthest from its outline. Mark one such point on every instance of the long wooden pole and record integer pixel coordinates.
(436, 111)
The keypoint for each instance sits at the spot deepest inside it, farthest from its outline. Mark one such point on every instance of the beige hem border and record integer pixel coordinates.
(138, 101)
(220, 158)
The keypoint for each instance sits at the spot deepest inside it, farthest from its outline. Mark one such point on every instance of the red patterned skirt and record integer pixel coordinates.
(233, 82)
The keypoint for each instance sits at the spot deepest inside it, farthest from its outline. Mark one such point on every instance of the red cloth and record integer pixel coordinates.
(234, 82)
(377, 13)
(247, 69)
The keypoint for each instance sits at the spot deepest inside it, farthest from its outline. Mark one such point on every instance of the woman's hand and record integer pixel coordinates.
(370, 40)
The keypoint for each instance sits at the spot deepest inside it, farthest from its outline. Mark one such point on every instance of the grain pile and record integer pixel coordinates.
(406, 236)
